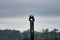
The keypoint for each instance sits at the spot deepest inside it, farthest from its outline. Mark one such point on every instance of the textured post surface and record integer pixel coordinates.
(31, 19)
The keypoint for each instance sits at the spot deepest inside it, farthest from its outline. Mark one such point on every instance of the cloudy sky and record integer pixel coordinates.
(14, 14)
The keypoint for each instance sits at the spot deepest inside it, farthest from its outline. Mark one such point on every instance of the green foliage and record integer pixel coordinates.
(16, 35)
(26, 35)
(10, 35)
(36, 34)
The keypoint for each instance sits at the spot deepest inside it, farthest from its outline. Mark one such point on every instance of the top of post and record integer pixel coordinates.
(31, 18)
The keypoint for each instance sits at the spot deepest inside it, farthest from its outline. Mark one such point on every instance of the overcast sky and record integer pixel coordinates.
(14, 14)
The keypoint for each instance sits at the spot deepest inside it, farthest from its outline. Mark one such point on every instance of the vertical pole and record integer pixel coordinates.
(31, 30)
(31, 19)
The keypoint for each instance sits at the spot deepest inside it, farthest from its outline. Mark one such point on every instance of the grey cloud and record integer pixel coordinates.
(22, 8)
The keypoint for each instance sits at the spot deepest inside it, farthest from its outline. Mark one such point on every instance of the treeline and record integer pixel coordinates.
(10, 35)
(17, 35)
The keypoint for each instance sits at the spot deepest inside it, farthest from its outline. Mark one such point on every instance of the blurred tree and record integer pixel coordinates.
(26, 35)
(10, 35)
(55, 30)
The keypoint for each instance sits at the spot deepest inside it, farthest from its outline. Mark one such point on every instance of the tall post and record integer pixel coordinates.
(31, 19)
